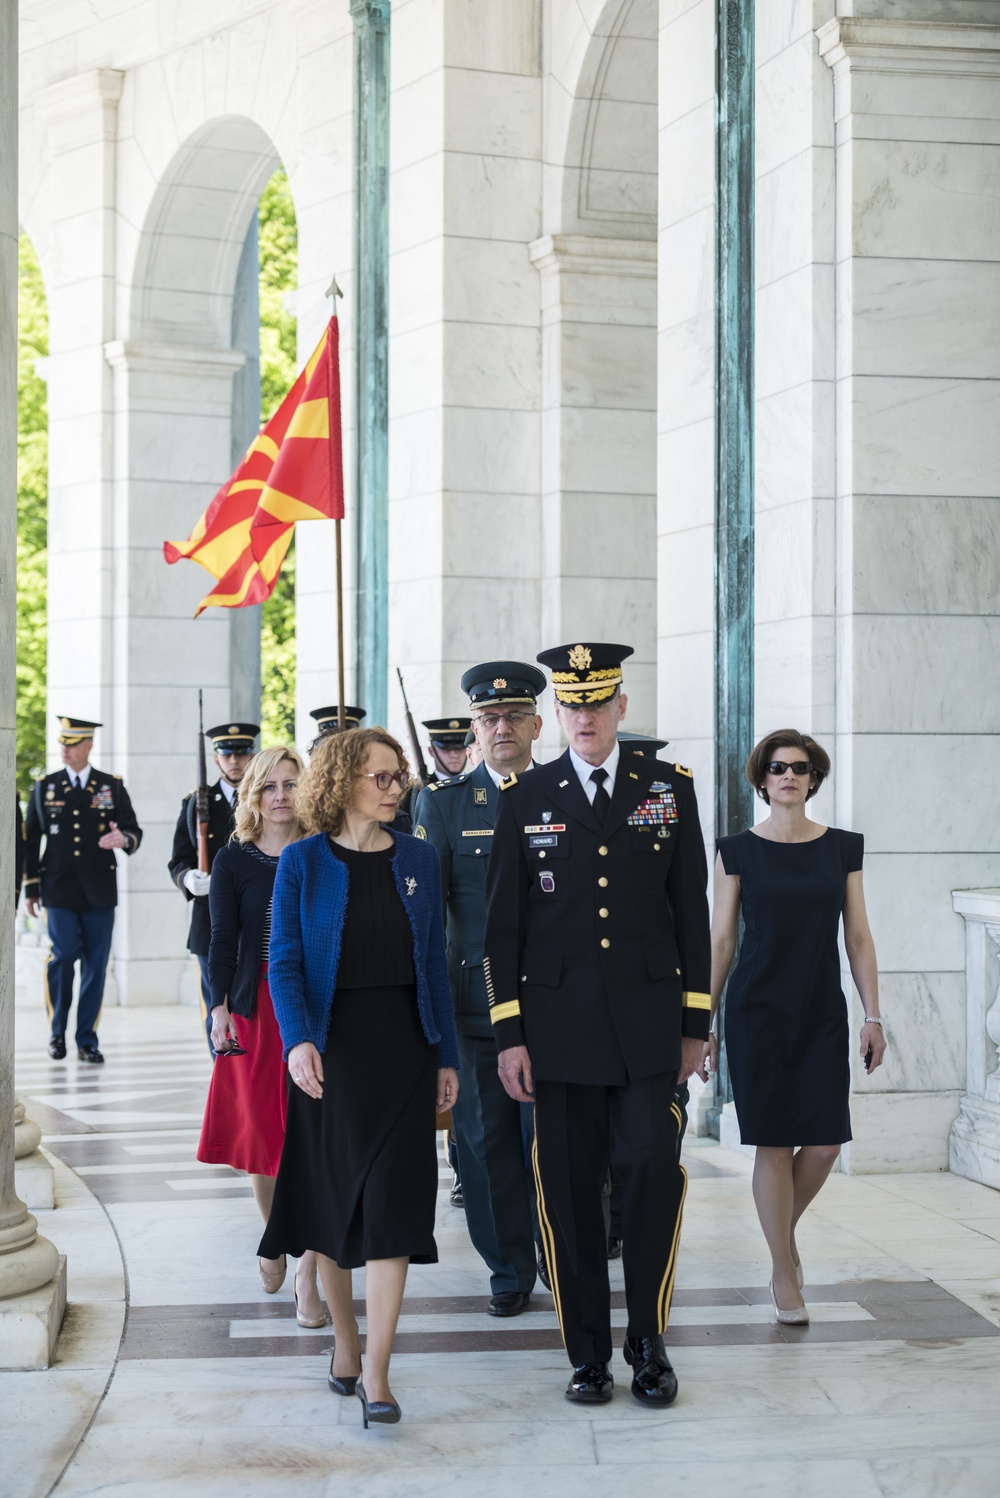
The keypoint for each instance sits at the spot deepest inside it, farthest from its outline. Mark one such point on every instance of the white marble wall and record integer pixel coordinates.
(465, 355)
(917, 112)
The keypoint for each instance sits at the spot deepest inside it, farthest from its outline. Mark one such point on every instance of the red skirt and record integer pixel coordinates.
(244, 1122)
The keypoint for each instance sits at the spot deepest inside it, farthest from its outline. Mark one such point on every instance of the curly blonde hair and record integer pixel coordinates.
(336, 763)
(248, 820)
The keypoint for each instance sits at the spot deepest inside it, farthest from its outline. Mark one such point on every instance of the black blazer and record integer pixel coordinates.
(184, 856)
(597, 939)
(242, 886)
(73, 873)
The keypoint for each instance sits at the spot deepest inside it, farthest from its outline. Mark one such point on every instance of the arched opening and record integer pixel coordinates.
(32, 518)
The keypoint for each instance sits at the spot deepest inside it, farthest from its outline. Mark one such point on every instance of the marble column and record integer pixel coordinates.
(599, 452)
(32, 1275)
(974, 1145)
(34, 1178)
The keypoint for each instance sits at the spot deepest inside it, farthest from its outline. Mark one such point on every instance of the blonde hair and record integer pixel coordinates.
(335, 766)
(248, 821)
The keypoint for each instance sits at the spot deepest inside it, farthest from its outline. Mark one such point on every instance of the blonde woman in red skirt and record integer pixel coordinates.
(244, 1123)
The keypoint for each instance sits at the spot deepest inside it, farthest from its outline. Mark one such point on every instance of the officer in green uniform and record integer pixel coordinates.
(597, 973)
(84, 815)
(233, 748)
(458, 817)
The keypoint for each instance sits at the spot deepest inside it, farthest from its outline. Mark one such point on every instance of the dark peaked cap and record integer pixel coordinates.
(585, 674)
(328, 718)
(503, 681)
(234, 736)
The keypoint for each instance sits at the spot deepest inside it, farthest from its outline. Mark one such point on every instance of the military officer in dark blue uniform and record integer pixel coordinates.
(447, 746)
(83, 814)
(458, 817)
(597, 973)
(233, 748)
(328, 720)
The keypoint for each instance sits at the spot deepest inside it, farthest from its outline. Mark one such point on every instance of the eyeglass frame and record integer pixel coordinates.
(798, 767)
(491, 721)
(401, 777)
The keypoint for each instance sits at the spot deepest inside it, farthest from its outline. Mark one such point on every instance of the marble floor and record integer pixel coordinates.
(176, 1375)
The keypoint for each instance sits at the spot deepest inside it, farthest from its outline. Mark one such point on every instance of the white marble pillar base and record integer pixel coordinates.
(899, 1131)
(34, 1182)
(974, 1147)
(30, 1323)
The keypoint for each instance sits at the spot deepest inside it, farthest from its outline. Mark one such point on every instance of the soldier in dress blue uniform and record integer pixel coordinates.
(328, 721)
(458, 817)
(233, 749)
(446, 747)
(597, 973)
(83, 814)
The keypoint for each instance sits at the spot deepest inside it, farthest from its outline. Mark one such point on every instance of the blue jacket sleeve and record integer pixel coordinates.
(437, 972)
(286, 958)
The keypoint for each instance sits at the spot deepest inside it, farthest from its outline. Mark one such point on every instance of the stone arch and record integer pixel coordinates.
(194, 233)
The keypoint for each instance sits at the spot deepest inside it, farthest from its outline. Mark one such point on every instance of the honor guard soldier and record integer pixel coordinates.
(83, 814)
(328, 721)
(446, 747)
(233, 746)
(458, 817)
(597, 972)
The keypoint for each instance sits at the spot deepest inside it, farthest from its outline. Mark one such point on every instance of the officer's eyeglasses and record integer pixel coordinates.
(798, 767)
(384, 778)
(490, 721)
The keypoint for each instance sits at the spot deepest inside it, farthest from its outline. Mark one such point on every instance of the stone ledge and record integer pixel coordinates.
(30, 1324)
(34, 1182)
(974, 1146)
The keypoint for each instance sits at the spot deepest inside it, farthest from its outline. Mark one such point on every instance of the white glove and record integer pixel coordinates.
(196, 883)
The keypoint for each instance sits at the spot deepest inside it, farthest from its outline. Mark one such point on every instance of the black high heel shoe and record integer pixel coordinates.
(341, 1385)
(379, 1411)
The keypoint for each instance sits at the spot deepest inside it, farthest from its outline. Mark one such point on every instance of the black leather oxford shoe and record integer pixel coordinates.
(543, 1271)
(90, 1053)
(591, 1383)
(654, 1382)
(614, 1248)
(456, 1195)
(57, 1047)
(507, 1303)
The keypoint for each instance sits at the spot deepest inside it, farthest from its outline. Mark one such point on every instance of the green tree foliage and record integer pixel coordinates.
(32, 522)
(279, 263)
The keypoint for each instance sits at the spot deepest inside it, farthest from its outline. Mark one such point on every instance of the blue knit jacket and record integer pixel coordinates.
(307, 923)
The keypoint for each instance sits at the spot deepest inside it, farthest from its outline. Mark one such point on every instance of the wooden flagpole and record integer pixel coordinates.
(333, 291)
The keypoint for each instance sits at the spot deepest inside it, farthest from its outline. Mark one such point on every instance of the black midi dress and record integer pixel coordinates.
(787, 1033)
(358, 1172)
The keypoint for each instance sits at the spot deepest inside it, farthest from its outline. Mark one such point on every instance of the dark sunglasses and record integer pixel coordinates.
(233, 1050)
(798, 767)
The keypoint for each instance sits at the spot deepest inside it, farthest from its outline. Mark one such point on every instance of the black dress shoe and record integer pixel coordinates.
(591, 1383)
(654, 1382)
(614, 1248)
(377, 1411)
(57, 1047)
(455, 1196)
(508, 1303)
(543, 1271)
(341, 1384)
(90, 1053)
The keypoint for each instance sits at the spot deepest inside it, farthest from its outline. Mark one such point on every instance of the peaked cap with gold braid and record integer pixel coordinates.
(585, 675)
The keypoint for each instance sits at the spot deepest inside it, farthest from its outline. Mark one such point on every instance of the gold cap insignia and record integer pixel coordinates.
(454, 723)
(234, 728)
(500, 682)
(580, 658)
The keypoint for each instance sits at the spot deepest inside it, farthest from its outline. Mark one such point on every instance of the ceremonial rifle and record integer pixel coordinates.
(411, 728)
(201, 795)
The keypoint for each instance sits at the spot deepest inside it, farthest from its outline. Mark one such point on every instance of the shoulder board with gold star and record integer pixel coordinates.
(505, 785)
(683, 770)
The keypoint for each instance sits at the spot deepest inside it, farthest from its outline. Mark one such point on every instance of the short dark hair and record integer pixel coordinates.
(756, 766)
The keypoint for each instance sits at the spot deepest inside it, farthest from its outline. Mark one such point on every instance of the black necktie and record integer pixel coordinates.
(602, 801)
(76, 782)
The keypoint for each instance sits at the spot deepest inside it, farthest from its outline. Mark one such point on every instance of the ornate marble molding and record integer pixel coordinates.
(586, 254)
(931, 48)
(173, 358)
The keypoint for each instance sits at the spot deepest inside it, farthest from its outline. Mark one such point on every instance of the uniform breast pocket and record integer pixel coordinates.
(548, 855)
(541, 966)
(662, 960)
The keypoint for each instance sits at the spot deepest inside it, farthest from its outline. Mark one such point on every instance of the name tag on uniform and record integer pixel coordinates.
(549, 840)
(547, 827)
(479, 832)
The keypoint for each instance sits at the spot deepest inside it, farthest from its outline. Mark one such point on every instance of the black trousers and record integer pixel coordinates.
(580, 1131)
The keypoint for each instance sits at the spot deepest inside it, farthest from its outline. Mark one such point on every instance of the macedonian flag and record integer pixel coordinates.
(293, 470)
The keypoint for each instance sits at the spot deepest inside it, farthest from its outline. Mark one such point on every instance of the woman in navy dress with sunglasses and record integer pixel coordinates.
(786, 1018)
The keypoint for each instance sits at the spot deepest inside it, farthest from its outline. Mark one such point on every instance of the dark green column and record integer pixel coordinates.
(371, 282)
(734, 473)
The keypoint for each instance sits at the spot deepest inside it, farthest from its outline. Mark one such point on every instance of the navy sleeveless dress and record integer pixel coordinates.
(787, 1032)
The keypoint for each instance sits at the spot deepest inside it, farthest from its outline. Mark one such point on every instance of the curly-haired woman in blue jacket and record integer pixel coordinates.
(360, 989)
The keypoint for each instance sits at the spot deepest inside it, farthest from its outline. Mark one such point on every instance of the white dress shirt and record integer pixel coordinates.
(229, 791)
(584, 771)
(79, 775)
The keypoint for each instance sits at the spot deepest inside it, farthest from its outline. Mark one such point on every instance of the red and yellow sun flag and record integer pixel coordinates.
(293, 470)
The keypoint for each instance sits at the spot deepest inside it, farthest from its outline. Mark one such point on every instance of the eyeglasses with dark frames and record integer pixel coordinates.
(493, 720)
(797, 767)
(384, 778)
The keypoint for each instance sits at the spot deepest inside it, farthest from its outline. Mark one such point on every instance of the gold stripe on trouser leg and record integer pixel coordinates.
(667, 1286)
(676, 1111)
(45, 987)
(548, 1237)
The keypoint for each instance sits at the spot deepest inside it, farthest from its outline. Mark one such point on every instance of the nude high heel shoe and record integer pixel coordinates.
(799, 1316)
(272, 1280)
